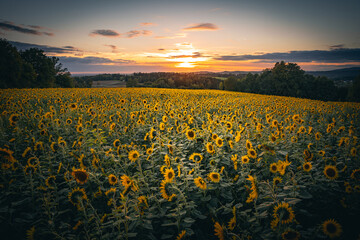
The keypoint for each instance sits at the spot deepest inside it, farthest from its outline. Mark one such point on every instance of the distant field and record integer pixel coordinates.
(109, 84)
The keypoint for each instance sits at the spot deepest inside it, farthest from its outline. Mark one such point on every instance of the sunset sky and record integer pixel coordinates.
(98, 36)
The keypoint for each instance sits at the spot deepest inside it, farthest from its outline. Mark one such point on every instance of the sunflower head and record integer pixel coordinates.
(214, 176)
(307, 166)
(196, 157)
(331, 172)
(273, 168)
(284, 213)
(356, 174)
(80, 175)
(245, 159)
(200, 183)
(190, 134)
(219, 142)
(331, 228)
(210, 148)
(112, 179)
(133, 155)
(290, 235)
(277, 180)
(169, 174)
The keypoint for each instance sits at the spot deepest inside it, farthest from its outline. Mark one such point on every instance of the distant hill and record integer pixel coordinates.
(344, 74)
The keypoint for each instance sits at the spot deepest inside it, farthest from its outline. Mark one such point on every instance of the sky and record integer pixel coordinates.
(116, 36)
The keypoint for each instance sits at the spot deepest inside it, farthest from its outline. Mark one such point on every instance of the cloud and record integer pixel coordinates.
(161, 49)
(93, 60)
(114, 49)
(48, 49)
(147, 24)
(337, 46)
(136, 33)
(105, 33)
(201, 27)
(178, 35)
(336, 55)
(26, 29)
(112, 33)
(193, 55)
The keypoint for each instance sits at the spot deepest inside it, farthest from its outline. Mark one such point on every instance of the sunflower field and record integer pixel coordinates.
(177, 164)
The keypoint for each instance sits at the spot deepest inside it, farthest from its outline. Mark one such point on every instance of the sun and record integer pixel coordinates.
(185, 65)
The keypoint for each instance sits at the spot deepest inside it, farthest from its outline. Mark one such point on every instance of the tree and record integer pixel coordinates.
(354, 90)
(230, 83)
(45, 67)
(14, 72)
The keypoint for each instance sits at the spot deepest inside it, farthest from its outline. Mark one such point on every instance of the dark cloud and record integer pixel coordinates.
(161, 49)
(136, 33)
(105, 33)
(337, 55)
(26, 29)
(194, 55)
(337, 46)
(202, 27)
(48, 49)
(112, 33)
(93, 60)
(114, 49)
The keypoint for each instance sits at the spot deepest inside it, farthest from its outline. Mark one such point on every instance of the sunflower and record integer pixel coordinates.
(331, 172)
(215, 177)
(50, 182)
(252, 153)
(232, 223)
(164, 189)
(190, 134)
(200, 183)
(331, 228)
(133, 155)
(196, 157)
(30, 233)
(73, 106)
(112, 179)
(152, 133)
(219, 142)
(277, 180)
(317, 136)
(80, 175)
(290, 235)
(353, 152)
(245, 159)
(248, 145)
(79, 128)
(169, 174)
(33, 161)
(272, 138)
(210, 148)
(116, 143)
(322, 153)
(214, 136)
(273, 168)
(219, 231)
(13, 119)
(149, 151)
(307, 166)
(284, 213)
(162, 126)
(181, 235)
(76, 196)
(125, 181)
(254, 193)
(355, 174)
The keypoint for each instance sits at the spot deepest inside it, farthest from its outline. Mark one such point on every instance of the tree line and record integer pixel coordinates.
(288, 79)
(31, 69)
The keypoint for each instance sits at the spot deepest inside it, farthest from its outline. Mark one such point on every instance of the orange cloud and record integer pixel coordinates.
(201, 27)
(147, 24)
